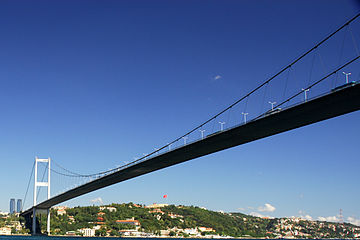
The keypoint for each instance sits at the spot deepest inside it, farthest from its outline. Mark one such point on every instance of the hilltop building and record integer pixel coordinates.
(60, 210)
(19, 205)
(12, 205)
(111, 209)
(157, 205)
(131, 221)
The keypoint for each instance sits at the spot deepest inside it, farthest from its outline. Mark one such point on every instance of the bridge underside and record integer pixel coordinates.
(331, 105)
(29, 222)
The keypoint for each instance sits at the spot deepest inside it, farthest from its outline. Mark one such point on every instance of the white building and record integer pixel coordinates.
(191, 231)
(4, 213)
(60, 210)
(111, 209)
(164, 232)
(87, 232)
(157, 205)
(5, 231)
(96, 227)
(206, 229)
(130, 232)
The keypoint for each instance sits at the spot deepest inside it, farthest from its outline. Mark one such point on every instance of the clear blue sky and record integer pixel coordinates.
(93, 84)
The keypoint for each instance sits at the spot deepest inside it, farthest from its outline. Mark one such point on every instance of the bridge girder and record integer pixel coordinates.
(325, 107)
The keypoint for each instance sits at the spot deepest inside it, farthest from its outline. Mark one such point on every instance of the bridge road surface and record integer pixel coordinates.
(333, 104)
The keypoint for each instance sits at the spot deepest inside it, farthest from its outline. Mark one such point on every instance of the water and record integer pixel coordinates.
(65, 238)
(68, 238)
(92, 238)
(48, 238)
(77, 238)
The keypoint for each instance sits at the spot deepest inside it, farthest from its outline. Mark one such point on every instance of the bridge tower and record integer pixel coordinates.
(41, 184)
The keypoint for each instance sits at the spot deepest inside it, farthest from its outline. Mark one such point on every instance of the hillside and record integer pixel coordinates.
(187, 221)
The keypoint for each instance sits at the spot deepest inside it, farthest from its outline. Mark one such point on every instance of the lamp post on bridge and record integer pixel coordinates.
(305, 93)
(222, 126)
(157, 151)
(272, 105)
(185, 139)
(244, 114)
(202, 134)
(347, 76)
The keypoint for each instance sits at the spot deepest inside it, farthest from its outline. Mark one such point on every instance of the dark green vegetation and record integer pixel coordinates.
(223, 224)
(176, 219)
(188, 217)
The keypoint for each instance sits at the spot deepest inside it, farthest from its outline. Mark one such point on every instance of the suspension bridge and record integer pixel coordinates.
(331, 89)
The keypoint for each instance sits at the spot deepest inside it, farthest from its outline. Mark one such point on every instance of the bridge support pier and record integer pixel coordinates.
(48, 222)
(34, 221)
(41, 184)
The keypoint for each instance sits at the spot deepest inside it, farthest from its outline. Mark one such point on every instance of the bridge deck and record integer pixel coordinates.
(328, 106)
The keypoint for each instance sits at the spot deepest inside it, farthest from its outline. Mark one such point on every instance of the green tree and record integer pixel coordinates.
(101, 232)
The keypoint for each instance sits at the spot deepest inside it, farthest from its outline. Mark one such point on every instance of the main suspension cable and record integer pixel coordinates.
(247, 95)
(27, 188)
(73, 174)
